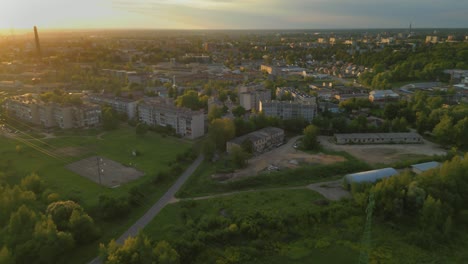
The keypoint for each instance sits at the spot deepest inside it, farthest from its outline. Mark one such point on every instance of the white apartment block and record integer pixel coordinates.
(289, 109)
(119, 104)
(163, 112)
(31, 109)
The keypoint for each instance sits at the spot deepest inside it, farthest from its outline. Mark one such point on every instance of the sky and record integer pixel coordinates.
(233, 14)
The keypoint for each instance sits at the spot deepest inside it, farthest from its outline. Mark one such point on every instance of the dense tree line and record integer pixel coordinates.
(37, 227)
(426, 63)
(434, 203)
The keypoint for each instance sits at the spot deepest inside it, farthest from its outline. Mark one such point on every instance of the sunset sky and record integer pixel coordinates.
(232, 14)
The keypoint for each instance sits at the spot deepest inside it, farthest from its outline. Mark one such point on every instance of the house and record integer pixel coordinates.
(262, 140)
(383, 96)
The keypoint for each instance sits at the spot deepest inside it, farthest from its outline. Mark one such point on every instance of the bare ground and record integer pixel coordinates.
(385, 153)
(283, 157)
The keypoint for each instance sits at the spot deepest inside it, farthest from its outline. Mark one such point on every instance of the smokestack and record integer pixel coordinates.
(38, 45)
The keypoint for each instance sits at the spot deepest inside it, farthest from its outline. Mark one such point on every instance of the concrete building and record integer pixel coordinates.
(163, 112)
(289, 109)
(119, 104)
(422, 167)
(250, 96)
(262, 140)
(383, 96)
(432, 39)
(378, 138)
(31, 109)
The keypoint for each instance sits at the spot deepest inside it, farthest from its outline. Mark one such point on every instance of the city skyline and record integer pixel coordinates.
(231, 14)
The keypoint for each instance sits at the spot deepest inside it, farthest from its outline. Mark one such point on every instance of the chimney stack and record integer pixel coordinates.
(38, 45)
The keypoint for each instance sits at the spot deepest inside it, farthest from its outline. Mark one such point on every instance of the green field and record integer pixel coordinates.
(201, 183)
(156, 153)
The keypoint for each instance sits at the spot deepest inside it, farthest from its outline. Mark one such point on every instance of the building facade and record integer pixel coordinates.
(163, 112)
(379, 138)
(262, 140)
(119, 104)
(289, 109)
(31, 109)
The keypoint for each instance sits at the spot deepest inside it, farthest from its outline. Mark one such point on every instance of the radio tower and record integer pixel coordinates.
(38, 45)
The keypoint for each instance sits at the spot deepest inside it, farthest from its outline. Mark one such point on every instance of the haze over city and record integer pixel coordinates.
(232, 14)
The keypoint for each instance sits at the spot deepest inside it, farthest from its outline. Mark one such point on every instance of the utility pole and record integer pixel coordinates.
(366, 242)
(99, 170)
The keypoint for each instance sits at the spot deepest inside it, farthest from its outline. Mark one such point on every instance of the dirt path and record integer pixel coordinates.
(332, 190)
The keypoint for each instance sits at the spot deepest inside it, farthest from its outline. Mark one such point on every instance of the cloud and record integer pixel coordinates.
(302, 13)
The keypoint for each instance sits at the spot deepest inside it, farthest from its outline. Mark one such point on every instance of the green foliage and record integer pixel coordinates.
(220, 131)
(190, 100)
(215, 113)
(110, 119)
(309, 140)
(239, 157)
(139, 249)
(238, 111)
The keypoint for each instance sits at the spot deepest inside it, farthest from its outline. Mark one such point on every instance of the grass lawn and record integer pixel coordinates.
(156, 152)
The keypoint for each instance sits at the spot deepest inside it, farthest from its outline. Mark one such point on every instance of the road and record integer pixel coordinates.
(157, 207)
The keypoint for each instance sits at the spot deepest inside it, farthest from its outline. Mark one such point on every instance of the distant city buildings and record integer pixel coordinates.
(119, 104)
(251, 95)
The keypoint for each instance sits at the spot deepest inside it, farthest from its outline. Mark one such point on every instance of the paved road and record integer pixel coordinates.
(157, 207)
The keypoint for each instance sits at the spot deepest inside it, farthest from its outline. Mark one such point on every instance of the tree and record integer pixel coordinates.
(33, 183)
(6, 257)
(82, 227)
(109, 118)
(61, 212)
(208, 148)
(238, 111)
(309, 141)
(165, 254)
(239, 157)
(215, 113)
(190, 100)
(444, 130)
(220, 131)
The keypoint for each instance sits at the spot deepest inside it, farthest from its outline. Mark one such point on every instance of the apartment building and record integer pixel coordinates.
(250, 96)
(119, 104)
(31, 109)
(289, 109)
(163, 112)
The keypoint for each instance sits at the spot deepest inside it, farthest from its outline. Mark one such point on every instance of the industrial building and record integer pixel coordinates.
(368, 176)
(379, 138)
(262, 140)
(422, 167)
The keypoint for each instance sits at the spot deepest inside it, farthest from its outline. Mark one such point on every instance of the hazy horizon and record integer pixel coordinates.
(231, 14)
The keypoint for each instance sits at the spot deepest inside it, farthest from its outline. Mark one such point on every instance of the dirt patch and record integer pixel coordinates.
(71, 151)
(331, 190)
(385, 153)
(284, 157)
(104, 171)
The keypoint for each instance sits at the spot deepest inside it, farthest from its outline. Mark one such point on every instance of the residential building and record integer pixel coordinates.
(383, 96)
(379, 138)
(250, 96)
(289, 109)
(262, 140)
(432, 39)
(163, 112)
(119, 104)
(31, 109)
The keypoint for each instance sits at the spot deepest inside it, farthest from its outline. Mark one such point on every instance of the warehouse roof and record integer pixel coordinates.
(370, 176)
(426, 166)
